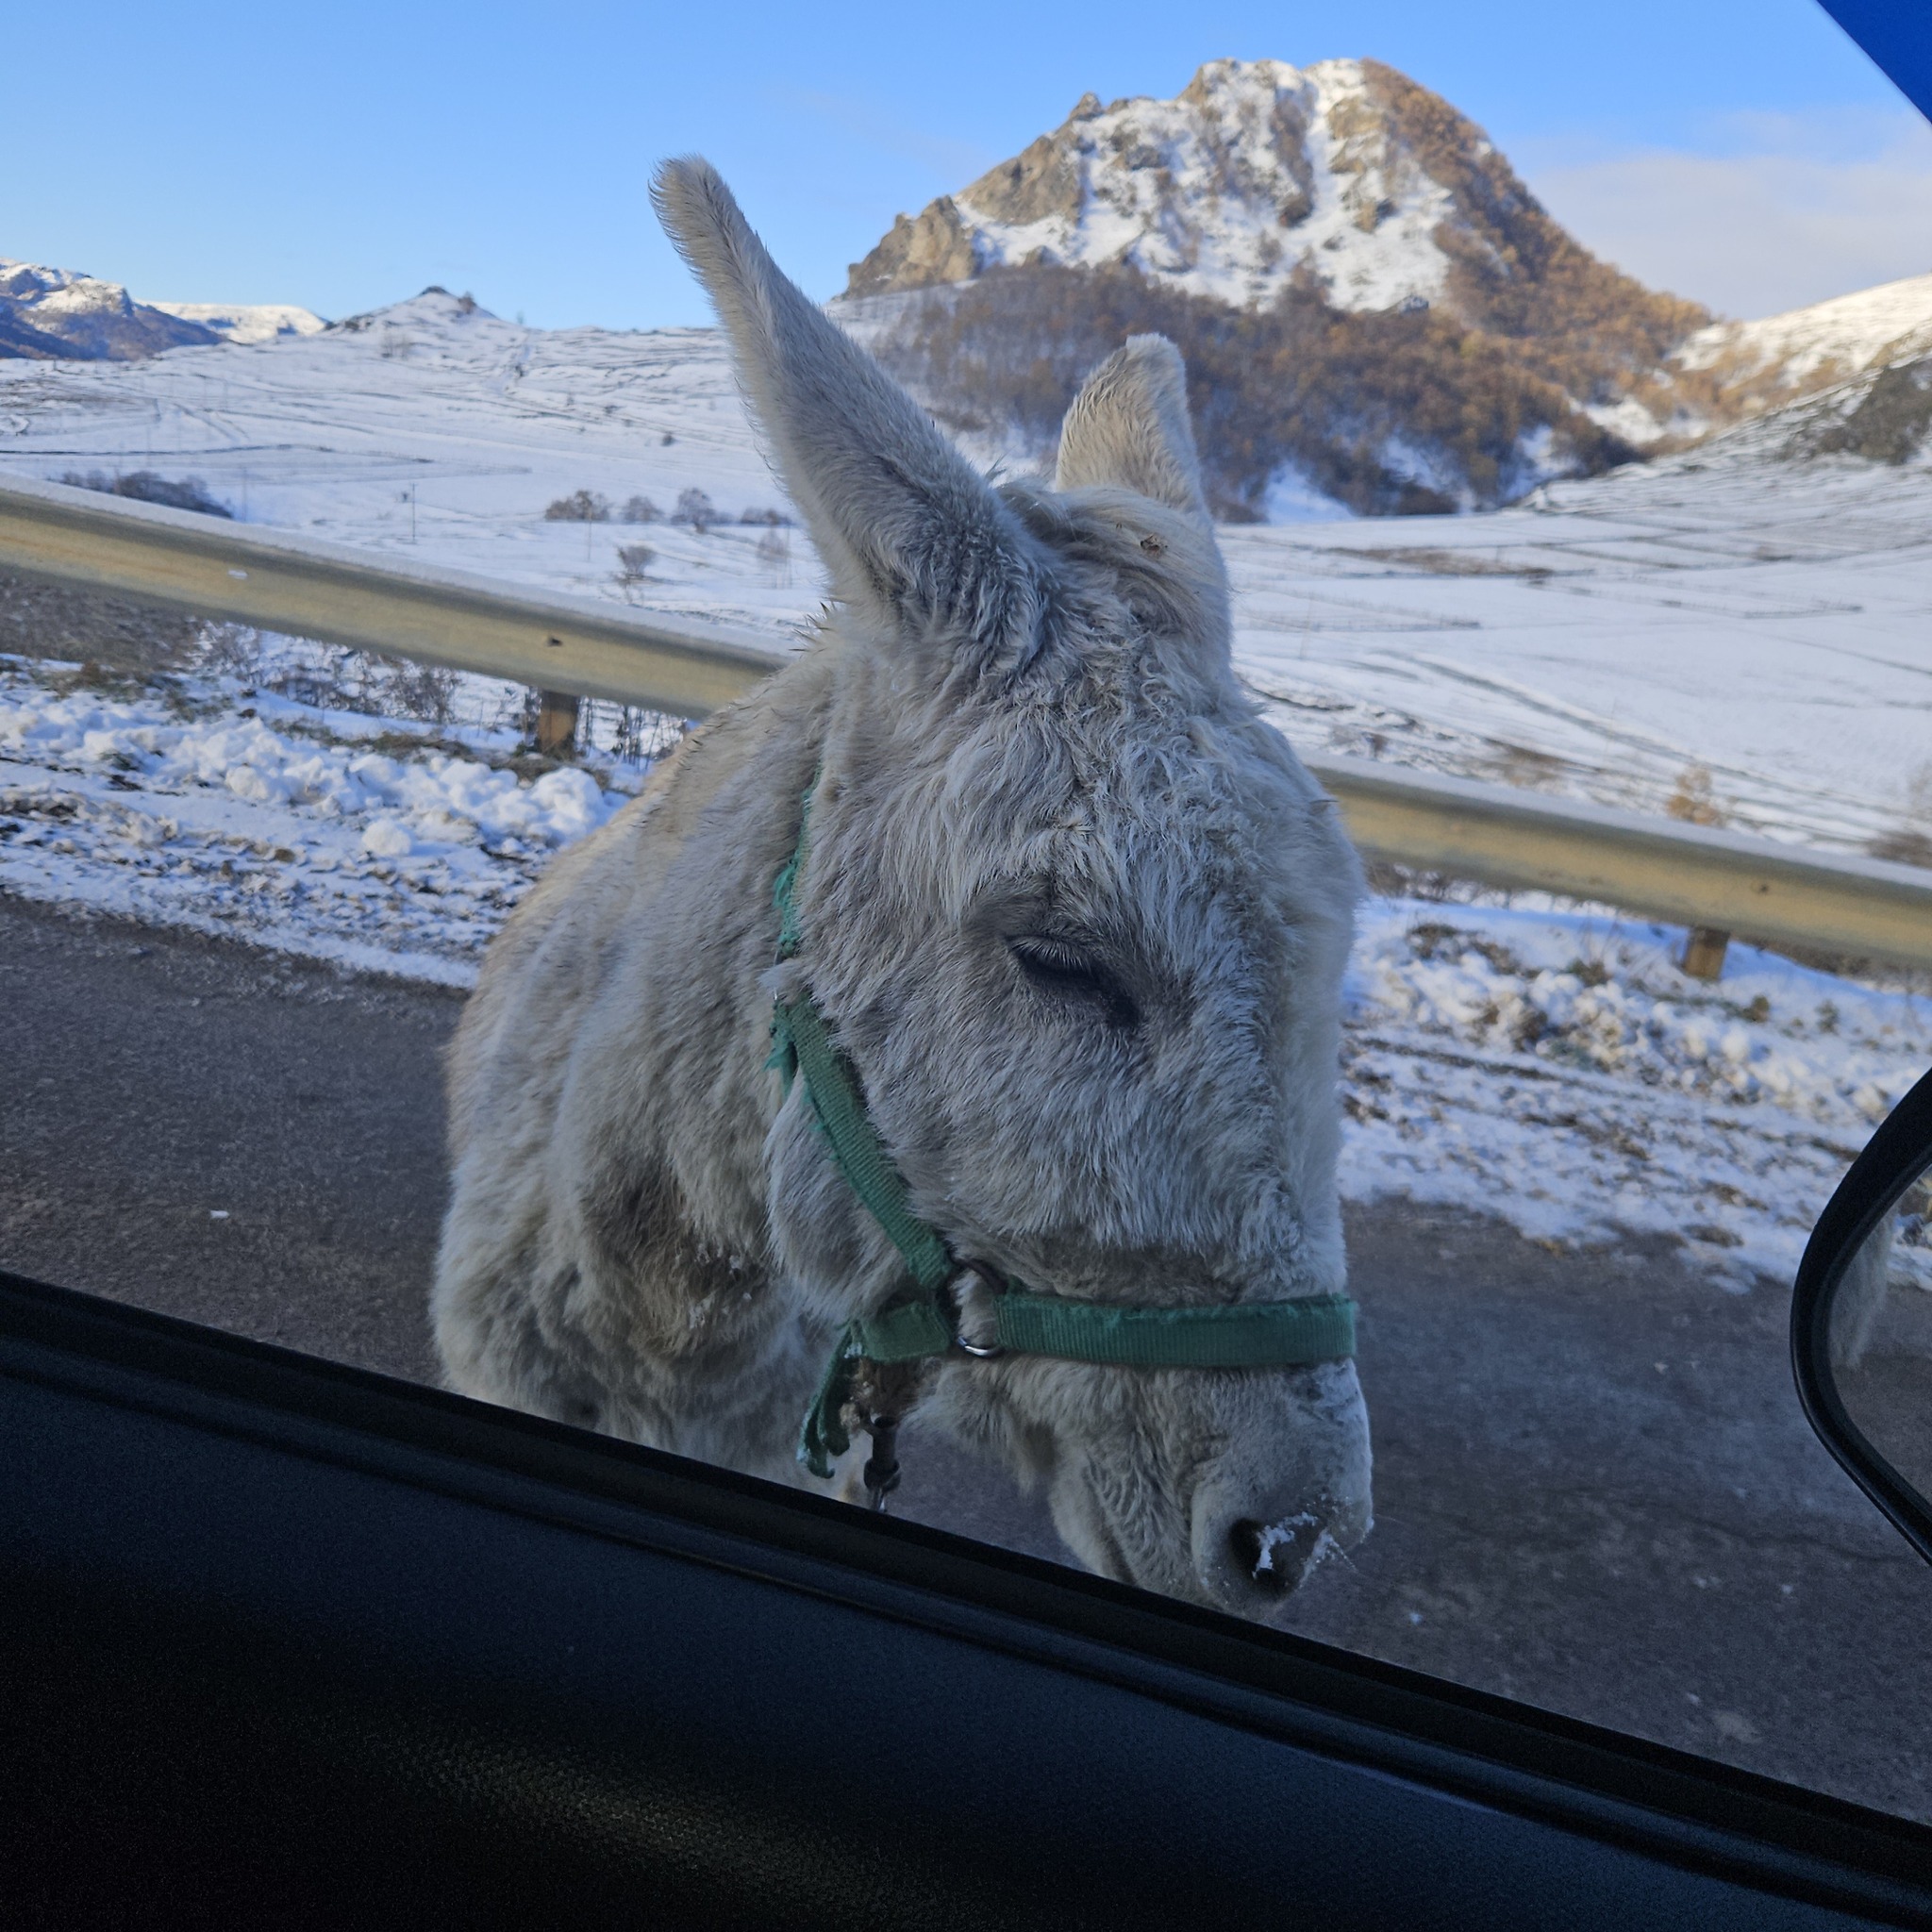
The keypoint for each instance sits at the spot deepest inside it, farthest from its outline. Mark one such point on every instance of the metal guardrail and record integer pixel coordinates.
(277, 580)
(1687, 874)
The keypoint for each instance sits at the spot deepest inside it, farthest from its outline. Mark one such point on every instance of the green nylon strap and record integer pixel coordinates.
(805, 1043)
(1252, 1335)
(1248, 1335)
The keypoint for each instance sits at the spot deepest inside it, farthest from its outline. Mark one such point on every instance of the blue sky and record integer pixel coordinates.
(1742, 151)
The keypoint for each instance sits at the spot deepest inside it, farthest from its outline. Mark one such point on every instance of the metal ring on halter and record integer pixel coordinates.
(975, 1277)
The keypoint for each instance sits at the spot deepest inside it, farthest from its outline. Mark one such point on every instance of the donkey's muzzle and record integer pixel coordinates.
(1264, 1561)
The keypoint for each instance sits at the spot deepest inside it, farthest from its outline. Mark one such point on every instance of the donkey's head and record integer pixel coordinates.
(1078, 918)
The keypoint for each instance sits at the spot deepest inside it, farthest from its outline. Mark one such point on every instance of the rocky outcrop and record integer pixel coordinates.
(934, 246)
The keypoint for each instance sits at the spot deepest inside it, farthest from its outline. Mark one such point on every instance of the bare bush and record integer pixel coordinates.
(409, 689)
(1693, 800)
(775, 552)
(773, 517)
(638, 510)
(697, 509)
(634, 561)
(148, 486)
(579, 506)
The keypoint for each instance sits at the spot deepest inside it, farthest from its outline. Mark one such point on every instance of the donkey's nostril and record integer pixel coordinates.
(1253, 1547)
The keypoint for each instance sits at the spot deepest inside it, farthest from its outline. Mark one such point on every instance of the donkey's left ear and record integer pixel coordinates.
(909, 531)
(1129, 427)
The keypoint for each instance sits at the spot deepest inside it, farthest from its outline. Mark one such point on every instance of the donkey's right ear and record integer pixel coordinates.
(1129, 427)
(910, 533)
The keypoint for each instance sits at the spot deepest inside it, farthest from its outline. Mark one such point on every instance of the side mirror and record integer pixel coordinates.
(1861, 1320)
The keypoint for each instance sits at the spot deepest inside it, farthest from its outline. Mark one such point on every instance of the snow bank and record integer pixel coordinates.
(312, 831)
(1558, 1069)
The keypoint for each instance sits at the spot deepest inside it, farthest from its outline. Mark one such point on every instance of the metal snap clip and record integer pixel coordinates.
(972, 1289)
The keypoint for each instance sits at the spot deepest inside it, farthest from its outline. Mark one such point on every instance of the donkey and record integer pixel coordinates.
(1076, 919)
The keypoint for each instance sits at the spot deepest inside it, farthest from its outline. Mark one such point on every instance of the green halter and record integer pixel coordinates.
(1247, 1335)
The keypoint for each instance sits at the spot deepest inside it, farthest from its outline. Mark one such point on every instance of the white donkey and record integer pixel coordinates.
(1059, 973)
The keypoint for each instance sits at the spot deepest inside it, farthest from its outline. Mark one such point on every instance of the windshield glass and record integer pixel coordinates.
(1365, 866)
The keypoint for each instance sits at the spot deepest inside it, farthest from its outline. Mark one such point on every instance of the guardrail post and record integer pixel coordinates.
(1704, 953)
(556, 723)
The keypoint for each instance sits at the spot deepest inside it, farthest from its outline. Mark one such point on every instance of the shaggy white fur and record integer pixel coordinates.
(1078, 917)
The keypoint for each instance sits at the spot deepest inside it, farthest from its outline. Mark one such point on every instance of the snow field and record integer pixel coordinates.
(1750, 627)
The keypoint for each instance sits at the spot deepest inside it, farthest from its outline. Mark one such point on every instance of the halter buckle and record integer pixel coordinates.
(972, 1291)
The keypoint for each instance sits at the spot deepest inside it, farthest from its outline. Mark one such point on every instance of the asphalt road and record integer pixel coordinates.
(1595, 1489)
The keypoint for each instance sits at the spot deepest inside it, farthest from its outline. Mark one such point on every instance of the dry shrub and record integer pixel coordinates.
(579, 506)
(634, 561)
(1693, 800)
(148, 486)
(697, 509)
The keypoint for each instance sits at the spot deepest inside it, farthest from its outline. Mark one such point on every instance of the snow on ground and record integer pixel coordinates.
(1748, 636)
(1558, 1069)
(1737, 640)
(1552, 1068)
(388, 847)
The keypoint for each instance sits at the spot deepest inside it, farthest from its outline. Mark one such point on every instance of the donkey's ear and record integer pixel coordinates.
(905, 525)
(1128, 426)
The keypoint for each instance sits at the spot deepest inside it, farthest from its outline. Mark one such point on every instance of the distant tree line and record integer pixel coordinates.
(694, 509)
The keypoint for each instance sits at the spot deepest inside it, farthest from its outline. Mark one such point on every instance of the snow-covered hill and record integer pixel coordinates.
(435, 427)
(1758, 365)
(1343, 175)
(247, 322)
(52, 313)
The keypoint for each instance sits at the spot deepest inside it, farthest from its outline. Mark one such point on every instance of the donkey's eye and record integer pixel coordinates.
(1066, 968)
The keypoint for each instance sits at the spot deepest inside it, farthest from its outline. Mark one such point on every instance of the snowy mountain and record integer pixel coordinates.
(52, 313)
(1343, 175)
(1391, 320)
(1346, 186)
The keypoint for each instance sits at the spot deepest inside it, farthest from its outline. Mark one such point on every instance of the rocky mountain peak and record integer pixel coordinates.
(53, 313)
(1344, 175)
